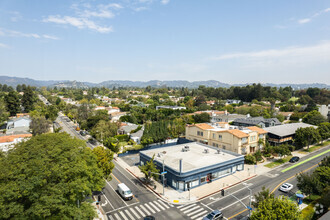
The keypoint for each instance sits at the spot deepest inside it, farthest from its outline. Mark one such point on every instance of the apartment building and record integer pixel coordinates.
(242, 140)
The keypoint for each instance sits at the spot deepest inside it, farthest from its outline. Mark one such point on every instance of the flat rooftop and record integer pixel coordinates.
(194, 158)
(286, 129)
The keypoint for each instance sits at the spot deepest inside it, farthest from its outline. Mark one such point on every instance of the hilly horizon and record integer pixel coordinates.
(14, 81)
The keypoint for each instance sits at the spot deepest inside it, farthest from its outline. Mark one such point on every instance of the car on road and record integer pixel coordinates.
(294, 159)
(124, 191)
(83, 133)
(215, 215)
(149, 217)
(286, 187)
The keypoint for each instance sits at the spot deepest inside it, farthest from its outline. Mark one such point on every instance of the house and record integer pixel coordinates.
(19, 125)
(286, 115)
(240, 140)
(7, 142)
(115, 116)
(256, 121)
(193, 164)
(232, 101)
(210, 103)
(126, 128)
(136, 136)
(325, 111)
(284, 133)
(170, 107)
(226, 117)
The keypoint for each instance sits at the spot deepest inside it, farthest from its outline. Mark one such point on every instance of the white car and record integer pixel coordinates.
(286, 187)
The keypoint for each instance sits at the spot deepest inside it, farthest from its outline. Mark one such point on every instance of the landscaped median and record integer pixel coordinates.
(311, 158)
(278, 162)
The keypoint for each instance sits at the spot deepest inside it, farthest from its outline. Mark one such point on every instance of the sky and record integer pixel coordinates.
(236, 41)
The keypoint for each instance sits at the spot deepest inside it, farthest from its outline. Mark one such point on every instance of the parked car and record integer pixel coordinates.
(286, 187)
(215, 215)
(294, 159)
(83, 133)
(149, 217)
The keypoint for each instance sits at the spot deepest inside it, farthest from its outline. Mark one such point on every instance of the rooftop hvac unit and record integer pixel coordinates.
(206, 150)
(185, 148)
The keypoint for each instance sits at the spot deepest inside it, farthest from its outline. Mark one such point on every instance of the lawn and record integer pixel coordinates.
(316, 147)
(278, 162)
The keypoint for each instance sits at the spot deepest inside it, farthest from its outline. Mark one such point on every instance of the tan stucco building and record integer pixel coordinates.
(222, 135)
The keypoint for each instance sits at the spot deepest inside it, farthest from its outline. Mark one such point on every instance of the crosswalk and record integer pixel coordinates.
(193, 211)
(139, 211)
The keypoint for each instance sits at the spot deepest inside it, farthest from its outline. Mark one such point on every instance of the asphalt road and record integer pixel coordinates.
(234, 209)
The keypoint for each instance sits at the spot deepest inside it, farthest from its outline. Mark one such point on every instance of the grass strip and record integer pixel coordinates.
(311, 158)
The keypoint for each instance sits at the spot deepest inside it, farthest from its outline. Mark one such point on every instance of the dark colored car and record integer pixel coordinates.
(215, 215)
(294, 159)
(83, 133)
(149, 217)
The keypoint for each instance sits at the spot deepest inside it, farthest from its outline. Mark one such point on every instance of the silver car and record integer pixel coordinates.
(286, 187)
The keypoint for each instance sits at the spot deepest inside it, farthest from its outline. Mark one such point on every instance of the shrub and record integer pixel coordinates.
(250, 159)
(122, 138)
(258, 155)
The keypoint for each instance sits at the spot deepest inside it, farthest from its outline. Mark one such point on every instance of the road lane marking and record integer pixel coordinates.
(163, 203)
(235, 203)
(244, 188)
(117, 194)
(107, 200)
(145, 210)
(198, 215)
(198, 210)
(120, 182)
(191, 209)
(302, 162)
(122, 214)
(152, 211)
(117, 216)
(237, 213)
(187, 207)
(139, 211)
(115, 177)
(159, 205)
(132, 210)
(129, 214)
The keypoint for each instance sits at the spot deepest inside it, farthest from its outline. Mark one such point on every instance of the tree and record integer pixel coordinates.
(51, 112)
(39, 125)
(314, 118)
(104, 158)
(307, 183)
(324, 130)
(28, 99)
(46, 177)
(261, 196)
(276, 208)
(104, 129)
(12, 102)
(149, 169)
(306, 136)
(112, 144)
(201, 118)
(3, 111)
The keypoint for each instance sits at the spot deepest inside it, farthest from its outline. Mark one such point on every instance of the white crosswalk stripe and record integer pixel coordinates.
(150, 209)
(199, 215)
(193, 211)
(135, 214)
(139, 211)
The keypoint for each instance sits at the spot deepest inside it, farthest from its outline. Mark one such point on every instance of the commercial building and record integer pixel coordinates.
(284, 133)
(241, 140)
(325, 111)
(193, 164)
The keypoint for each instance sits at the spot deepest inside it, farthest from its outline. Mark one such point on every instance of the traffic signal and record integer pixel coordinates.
(99, 198)
(223, 192)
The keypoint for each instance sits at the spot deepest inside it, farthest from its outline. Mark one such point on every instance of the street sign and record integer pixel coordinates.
(249, 207)
(162, 173)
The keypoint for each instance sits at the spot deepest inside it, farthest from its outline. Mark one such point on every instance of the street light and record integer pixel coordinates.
(246, 186)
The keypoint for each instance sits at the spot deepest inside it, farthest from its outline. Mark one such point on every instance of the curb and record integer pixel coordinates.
(203, 197)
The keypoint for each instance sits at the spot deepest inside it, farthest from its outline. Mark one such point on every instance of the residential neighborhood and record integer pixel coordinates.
(164, 110)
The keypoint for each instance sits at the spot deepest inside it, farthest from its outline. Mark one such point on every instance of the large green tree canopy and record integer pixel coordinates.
(47, 177)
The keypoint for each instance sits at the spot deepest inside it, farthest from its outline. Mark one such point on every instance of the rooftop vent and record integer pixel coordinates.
(185, 148)
(219, 151)
(206, 150)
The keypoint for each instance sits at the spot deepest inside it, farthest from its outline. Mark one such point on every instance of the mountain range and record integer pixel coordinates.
(14, 81)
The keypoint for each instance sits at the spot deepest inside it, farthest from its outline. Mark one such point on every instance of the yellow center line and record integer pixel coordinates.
(277, 187)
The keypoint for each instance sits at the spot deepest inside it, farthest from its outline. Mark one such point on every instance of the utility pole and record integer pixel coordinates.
(163, 177)
(246, 186)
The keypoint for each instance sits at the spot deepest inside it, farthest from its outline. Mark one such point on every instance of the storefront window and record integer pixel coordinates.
(203, 179)
(174, 184)
(240, 167)
(234, 169)
(181, 185)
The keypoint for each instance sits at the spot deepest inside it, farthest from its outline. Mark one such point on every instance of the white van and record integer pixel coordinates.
(124, 191)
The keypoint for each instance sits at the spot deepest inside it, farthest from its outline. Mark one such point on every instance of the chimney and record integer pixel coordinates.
(180, 166)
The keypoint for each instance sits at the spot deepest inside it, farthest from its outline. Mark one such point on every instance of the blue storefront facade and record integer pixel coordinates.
(180, 180)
